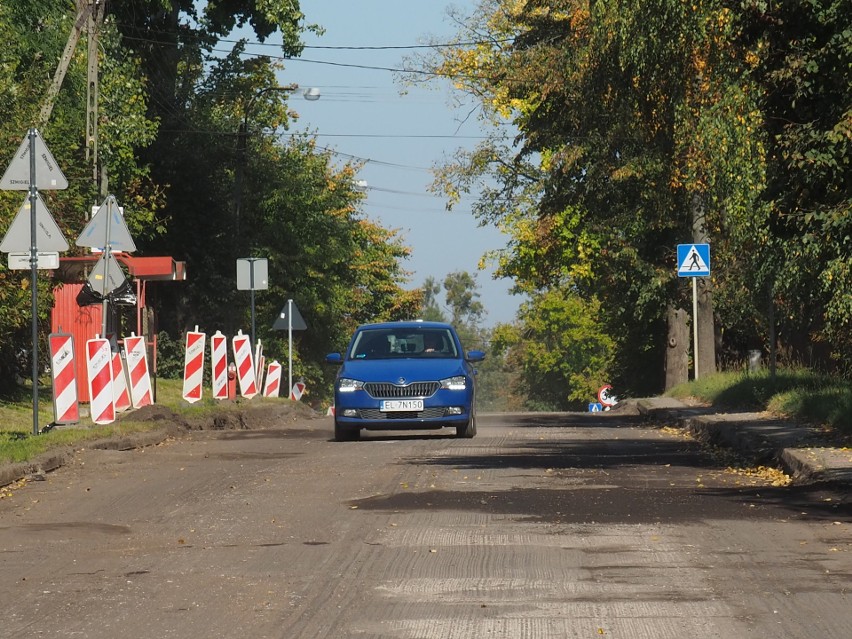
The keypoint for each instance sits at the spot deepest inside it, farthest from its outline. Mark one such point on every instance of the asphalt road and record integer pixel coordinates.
(540, 527)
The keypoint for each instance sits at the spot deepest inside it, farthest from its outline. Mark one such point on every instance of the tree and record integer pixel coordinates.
(431, 307)
(217, 144)
(560, 349)
(639, 142)
(463, 299)
(803, 62)
(35, 34)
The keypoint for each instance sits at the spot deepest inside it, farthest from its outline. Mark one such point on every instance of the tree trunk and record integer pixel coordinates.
(706, 328)
(677, 347)
(705, 319)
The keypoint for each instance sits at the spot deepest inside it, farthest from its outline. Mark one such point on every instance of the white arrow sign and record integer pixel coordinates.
(48, 176)
(48, 236)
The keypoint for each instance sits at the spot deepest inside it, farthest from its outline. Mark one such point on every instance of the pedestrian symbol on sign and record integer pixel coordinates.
(693, 260)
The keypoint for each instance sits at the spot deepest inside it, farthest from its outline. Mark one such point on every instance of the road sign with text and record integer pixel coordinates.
(48, 175)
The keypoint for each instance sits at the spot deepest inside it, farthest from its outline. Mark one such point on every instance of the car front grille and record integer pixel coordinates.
(393, 391)
(426, 413)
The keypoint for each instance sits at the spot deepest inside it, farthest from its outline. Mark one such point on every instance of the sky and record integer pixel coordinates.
(363, 113)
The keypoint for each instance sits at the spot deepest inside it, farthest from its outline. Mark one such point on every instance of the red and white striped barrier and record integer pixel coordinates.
(273, 380)
(219, 365)
(193, 368)
(245, 365)
(120, 392)
(63, 371)
(259, 361)
(136, 355)
(99, 368)
(297, 392)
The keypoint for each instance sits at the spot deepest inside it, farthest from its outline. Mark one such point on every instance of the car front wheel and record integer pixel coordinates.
(345, 433)
(469, 429)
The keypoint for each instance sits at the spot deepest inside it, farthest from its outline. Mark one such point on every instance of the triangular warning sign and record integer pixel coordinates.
(283, 323)
(107, 275)
(19, 236)
(107, 226)
(48, 176)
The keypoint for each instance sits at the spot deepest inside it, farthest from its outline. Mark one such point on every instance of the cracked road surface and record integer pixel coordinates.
(543, 526)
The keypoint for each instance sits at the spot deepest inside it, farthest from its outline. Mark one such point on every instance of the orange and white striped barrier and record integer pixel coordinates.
(193, 368)
(297, 391)
(120, 392)
(219, 365)
(245, 365)
(99, 368)
(273, 380)
(63, 371)
(136, 356)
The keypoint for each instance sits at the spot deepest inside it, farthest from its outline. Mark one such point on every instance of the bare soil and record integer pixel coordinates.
(232, 415)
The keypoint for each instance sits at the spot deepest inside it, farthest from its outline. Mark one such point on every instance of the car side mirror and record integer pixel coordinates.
(334, 358)
(475, 356)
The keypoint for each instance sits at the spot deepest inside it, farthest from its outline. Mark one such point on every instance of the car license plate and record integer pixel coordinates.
(391, 405)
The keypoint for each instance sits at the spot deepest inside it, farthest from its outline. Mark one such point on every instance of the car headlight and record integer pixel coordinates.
(459, 382)
(345, 385)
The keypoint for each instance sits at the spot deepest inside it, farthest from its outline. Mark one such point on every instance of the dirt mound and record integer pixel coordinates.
(226, 415)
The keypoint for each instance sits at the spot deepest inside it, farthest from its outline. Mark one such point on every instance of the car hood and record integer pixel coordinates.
(409, 370)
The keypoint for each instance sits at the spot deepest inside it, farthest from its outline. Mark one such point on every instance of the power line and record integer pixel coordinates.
(426, 136)
(368, 67)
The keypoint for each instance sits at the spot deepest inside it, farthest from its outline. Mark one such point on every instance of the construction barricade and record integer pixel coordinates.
(63, 371)
(99, 367)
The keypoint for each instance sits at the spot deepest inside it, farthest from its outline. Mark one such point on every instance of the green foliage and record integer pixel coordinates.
(796, 393)
(430, 309)
(462, 298)
(560, 350)
(804, 64)
(170, 356)
(34, 34)
(630, 114)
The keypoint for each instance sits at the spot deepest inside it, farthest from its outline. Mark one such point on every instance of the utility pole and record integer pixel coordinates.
(93, 25)
(89, 17)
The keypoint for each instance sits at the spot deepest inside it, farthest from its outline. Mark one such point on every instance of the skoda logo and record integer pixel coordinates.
(401, 381)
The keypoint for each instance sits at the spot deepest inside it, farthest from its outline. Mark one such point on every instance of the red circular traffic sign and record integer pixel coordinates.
(606, 397)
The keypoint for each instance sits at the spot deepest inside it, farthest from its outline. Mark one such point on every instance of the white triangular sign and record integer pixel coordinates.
(48, 176)
(693, 262)
(107, 275)
(19, 236)
(107, 226)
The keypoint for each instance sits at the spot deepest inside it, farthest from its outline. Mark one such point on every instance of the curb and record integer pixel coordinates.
(10, 473)
(764, 438)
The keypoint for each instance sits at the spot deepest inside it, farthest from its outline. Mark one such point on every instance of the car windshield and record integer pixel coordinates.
(384, 343)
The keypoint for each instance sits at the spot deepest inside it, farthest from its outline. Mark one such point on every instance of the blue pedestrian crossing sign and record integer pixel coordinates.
(693, 260)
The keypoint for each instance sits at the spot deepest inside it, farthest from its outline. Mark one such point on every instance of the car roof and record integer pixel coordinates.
(406, 324)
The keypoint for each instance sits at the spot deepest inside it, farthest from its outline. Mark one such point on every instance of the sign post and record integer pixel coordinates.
(107, 230)
(289, 319)
(693, 260)
(252, 275)
(33, 168)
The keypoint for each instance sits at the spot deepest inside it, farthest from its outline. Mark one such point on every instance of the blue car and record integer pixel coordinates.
(404, 375)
